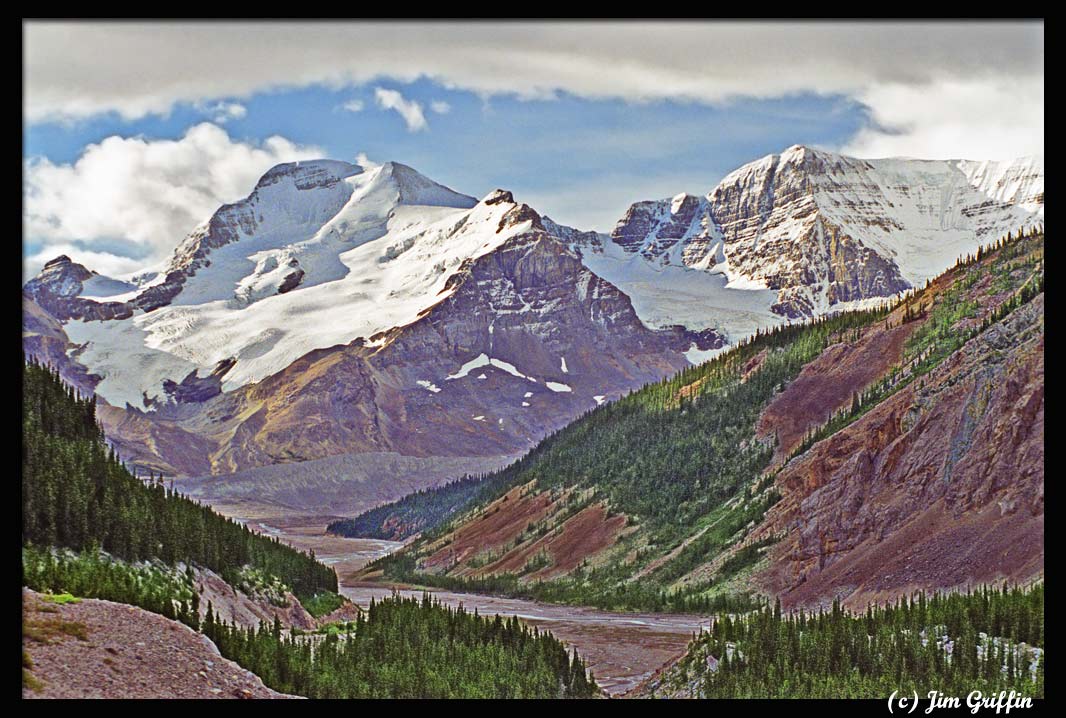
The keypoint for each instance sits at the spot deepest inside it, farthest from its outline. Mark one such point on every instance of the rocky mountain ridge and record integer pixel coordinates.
(823, 230)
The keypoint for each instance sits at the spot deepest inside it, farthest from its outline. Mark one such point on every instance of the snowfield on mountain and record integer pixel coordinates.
(366, 263)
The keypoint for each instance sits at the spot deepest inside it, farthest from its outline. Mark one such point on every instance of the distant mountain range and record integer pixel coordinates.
(340, 309)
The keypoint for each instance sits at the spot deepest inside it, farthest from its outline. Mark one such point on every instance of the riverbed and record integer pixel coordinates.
(621, 649)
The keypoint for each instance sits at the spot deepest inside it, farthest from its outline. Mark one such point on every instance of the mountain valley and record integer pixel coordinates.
(820, 384)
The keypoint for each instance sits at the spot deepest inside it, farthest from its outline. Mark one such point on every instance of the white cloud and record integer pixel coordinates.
(222, 112)
(1008, 120)
(365, 162)
(353, 106)
(409, 110)
(143, 195)
(440, 107)
(79, 69)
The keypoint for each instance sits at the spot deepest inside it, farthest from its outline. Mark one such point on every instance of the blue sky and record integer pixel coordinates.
(551, 153)
(577, 119)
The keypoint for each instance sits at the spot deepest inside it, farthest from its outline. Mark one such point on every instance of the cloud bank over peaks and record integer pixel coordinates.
(906, 73)
(127, 197)
(928, 122)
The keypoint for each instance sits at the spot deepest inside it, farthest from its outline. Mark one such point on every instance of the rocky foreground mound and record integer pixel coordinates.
(101, 649)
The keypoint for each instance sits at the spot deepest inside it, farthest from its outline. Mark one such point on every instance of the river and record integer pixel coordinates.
(622, 649)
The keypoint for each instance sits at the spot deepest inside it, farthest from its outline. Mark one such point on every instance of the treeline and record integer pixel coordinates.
(91, 574)
(989, 640)
(414, 512)
(409, 648)
(77, 494)
(941, 333)
(1005, 241)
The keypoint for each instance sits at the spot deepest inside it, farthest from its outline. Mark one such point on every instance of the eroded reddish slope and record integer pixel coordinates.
(939, 486)
(535, 534)
(580, 537)
(827, 384)
(495, 527)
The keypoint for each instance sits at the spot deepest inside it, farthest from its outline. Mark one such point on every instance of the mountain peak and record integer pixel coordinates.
(498, 196)
(792, 155)
(800, 154)
(306, 174)
(414, 188)
(61, 259)
(68, 290)
(683, 202)
(62, 270)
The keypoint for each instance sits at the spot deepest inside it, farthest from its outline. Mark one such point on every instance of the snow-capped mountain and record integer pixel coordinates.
(319, 254)
(809, 231)
(337, 309)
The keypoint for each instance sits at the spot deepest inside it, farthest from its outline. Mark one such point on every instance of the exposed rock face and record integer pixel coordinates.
(655, 228)
(194, 389)
(551, 336)
(940, 486)
(575, 238)
(57, 288)
(44, 340)
(292, 280)
(61, 277)
(248, 610)
(856, 272)
(822, 229)
(637, 225)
